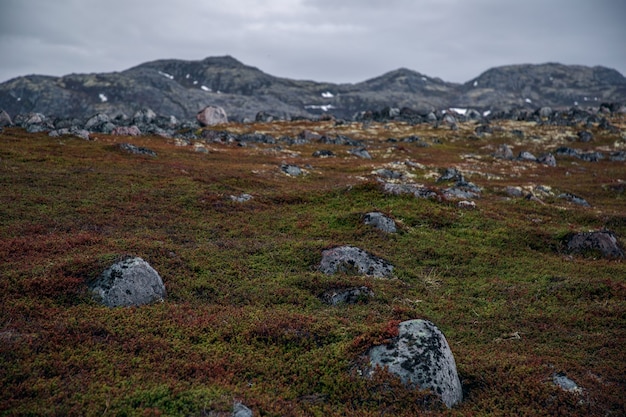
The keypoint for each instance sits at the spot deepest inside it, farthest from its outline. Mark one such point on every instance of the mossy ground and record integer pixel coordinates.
(243, 320)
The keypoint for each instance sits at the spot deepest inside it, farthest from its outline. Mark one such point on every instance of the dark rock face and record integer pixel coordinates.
(420, 356)
(604, 242)
(354, 261)
(131, 282)
(545, 85)
(182, 88)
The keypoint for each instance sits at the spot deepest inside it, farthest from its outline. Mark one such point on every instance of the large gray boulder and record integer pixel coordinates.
(421, 357)
(212, 115)
(354, 261)
(130, 282)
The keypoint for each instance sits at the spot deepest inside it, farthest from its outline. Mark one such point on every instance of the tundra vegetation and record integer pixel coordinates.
(244, 320)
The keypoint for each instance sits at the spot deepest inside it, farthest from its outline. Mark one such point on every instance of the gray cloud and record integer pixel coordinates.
(324, 40)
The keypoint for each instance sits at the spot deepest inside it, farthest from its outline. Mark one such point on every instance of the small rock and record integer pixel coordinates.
(360, 152)
(418, 190)
(619, 156)
(526, 156)
(514, 191)
(545, 112)
(241, 198)
(585, 136)
(323, 153)
(137, 150)
(144, 116)
(468, 205)
(354, 261)
(292, 170)
(565, 151)
(504, 152)
(566, 384)
(98, 122)
(547, 159)
(574, 199)
(130, 282)
(347, 295)
(240, 410)
(212, 115)
(388, 174)
(421, 357)
(380, 221)
(604, 242)
(126, 131)
(451, 174)
(591, 156)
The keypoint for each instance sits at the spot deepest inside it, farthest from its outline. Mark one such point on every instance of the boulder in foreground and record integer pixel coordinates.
(420, 356)
(130, 282)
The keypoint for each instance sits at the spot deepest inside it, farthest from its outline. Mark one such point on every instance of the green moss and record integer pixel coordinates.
(243, 320)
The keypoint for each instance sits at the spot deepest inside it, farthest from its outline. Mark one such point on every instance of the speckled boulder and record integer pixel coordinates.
(420, 356)
(130, 282)
(354, 261)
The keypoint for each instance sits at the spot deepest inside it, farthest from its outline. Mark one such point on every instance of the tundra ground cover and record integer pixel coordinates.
(243, 320)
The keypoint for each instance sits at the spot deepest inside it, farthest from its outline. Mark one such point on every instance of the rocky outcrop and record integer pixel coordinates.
(130, 282)
(421, 357)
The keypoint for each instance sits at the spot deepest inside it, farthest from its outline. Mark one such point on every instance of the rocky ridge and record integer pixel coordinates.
(182, 88)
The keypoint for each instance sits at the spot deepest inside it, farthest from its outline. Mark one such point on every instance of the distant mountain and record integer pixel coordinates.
(181, 88)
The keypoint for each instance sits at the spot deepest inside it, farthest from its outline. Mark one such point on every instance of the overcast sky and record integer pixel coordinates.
(321, 40)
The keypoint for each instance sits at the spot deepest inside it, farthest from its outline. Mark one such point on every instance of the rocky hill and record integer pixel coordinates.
(181, 88)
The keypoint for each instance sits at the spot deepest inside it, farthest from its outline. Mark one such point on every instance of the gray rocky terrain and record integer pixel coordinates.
(182, 88)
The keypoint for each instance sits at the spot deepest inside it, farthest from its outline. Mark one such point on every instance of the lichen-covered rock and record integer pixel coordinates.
(603, 241)
(380, 221)
(347, 295)
(130, 282)
(421, 357)
(354, 261)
